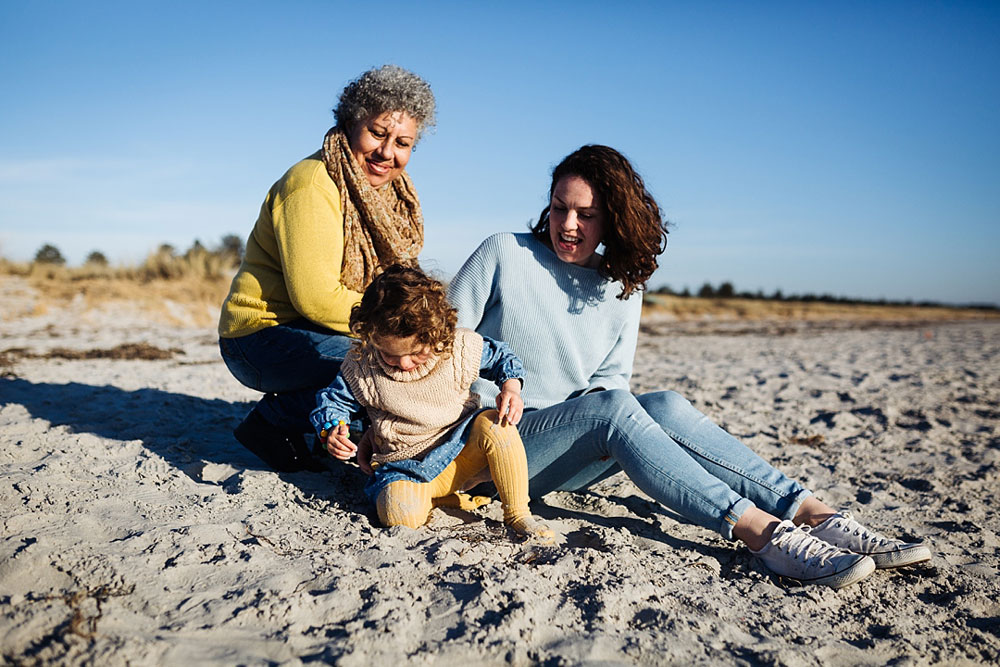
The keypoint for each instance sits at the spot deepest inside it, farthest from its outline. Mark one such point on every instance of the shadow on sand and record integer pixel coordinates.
(189, 432)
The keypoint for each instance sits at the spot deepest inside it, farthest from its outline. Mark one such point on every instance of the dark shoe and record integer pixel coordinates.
(319, 449)
(285, 452)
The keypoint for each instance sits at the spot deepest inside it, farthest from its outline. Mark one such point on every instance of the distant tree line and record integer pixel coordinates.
(726, 290)
(164, 262)
(230, 248)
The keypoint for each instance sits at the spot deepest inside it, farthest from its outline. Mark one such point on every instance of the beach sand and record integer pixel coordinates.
(137, 531)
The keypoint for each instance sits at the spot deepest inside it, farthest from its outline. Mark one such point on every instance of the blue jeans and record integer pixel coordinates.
(290, 363)
(670, 450)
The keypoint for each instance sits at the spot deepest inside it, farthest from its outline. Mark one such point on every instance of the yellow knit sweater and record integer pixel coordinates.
(293, 257)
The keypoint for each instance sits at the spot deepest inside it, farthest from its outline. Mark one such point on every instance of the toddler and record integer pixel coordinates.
(412, 370)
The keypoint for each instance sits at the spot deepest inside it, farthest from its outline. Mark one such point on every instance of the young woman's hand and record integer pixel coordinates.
(338, 444)
(365, 452)
(509, 404)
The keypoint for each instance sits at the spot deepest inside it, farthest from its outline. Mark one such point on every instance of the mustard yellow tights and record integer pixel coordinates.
(406, 503)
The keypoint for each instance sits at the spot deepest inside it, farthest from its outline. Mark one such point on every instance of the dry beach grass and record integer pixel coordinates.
(136, 531)
(173, 291)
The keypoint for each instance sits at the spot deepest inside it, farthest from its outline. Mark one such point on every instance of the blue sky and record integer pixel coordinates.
(850, 148)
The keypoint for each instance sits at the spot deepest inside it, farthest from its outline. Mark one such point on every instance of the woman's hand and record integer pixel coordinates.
(477, 479)
(338, 445)
(510, 407)
(365, 452)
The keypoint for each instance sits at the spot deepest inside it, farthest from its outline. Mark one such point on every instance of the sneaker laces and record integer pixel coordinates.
(845, 521)
(800, 545)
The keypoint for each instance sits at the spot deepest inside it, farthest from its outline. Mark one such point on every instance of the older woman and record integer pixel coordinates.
(324, 230)
(572, 315)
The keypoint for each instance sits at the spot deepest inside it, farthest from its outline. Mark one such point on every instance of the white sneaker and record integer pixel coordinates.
(841, 530)
(795, 553)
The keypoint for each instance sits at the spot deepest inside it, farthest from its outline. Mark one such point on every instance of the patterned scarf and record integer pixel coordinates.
(381, 227)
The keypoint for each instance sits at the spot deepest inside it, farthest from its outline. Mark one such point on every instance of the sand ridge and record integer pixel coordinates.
(136, 531)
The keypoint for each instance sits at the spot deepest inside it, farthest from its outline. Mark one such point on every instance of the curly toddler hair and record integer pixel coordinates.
(403, 302)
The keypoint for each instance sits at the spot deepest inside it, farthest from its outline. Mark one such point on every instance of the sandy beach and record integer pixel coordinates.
(137, 531)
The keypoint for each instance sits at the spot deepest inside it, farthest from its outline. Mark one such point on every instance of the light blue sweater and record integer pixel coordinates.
(564, 321)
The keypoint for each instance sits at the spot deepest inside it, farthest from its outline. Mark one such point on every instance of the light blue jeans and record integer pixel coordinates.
(670, 450)
(290, 363)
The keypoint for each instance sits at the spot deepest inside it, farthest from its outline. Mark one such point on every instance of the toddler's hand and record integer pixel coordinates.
(337, 443)
(510, 407)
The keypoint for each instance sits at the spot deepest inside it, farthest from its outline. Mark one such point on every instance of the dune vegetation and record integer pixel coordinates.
(181, 287)
(738, 308)
(187, 287)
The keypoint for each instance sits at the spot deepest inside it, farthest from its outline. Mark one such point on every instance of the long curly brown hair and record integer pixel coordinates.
(401, 302)
(635, 233)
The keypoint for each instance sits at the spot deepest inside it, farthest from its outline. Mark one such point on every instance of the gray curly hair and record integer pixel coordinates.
(386, 88)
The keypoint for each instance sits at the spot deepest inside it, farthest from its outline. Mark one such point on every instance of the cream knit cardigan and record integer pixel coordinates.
(413, 412)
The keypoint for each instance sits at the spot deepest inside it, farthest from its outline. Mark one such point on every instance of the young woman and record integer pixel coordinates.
(324, 230)
(572, 314)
